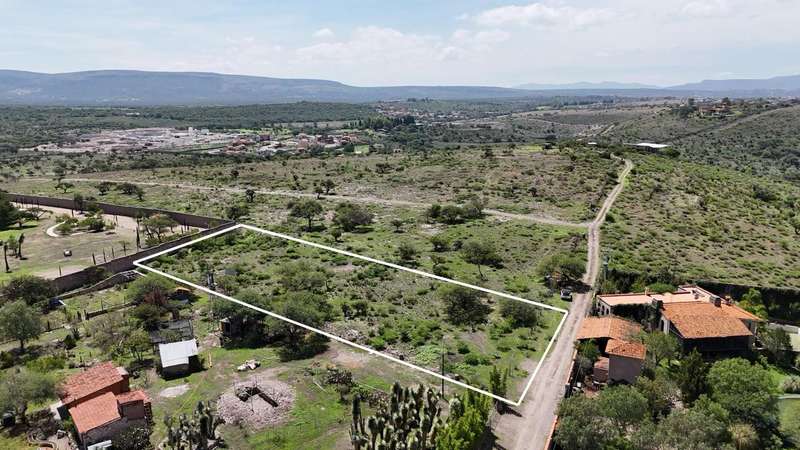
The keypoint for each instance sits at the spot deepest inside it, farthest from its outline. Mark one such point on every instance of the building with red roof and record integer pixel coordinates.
(615, 337)
(101, 404)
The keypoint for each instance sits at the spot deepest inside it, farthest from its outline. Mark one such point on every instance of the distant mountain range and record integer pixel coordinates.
(131, 87)
(585, 85)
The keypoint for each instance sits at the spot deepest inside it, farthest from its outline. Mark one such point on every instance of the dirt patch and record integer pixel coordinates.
(347, 358)
(270, 403)
(54, 273)
(175, 391)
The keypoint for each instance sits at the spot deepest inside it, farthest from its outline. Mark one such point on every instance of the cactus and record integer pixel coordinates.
(409, 420)
(192, 433)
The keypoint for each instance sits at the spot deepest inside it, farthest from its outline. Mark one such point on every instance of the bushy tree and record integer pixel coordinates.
(480, 253)
(151, 289)
(520, 314)
(753, 302)
(350, 217)
(20, 321)
(31, 289)
(563, 268)
(307, 209)
(157, 225)
(20, 387)
(301, 275)
(463, 306)
(660, 347)
(746, 391)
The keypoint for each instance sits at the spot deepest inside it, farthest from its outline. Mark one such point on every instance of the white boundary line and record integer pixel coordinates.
(140, 263)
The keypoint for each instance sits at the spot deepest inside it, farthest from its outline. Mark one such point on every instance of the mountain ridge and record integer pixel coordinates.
(153, 88)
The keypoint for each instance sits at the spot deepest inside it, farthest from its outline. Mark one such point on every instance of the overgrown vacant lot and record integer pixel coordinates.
(560, 184)
(705, 222)
(395, 311)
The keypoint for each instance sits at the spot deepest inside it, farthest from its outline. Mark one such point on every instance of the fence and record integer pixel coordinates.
(186, 219)
(99, 272)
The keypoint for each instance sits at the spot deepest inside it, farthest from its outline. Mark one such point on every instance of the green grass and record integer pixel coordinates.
(790, 418)
(8, 442)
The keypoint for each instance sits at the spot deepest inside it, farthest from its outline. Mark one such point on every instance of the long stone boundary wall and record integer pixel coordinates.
(94, 274)
(192, 220)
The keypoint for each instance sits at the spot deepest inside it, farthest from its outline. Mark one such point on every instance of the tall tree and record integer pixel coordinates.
(463, 306)
(307, 209)
(480, 253)
(20, 322)
(746, 390)
(691, 377)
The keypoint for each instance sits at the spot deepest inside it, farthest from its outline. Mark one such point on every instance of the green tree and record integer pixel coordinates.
(689, 429)
(463, 306)
(138, 343)
(20, 387)
(466, 424)
(480, 253)
(440, 243)
(304, 307)
(151, 289)
(745, 390)
(237, 211)
(691, 377)
(31, 289)
(350, 217)
(8, 212)
(623, 405)
(562, 268)
(301, 275)
(660, 347)
(778, 345)
(149, 315)
(328, 185)
(20, 322)
(520, 314)
(581, 424)
(307, 209)
(753, 302)
(407, 252)
(157, 225)
(660, 392)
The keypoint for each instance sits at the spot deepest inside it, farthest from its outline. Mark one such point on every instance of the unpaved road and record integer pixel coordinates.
(369, 200)
(530, 426)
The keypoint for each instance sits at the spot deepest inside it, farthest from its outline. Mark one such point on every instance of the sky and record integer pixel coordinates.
(371, 42)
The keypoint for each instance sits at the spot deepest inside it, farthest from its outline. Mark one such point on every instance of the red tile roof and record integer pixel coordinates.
(697, 320)
(608, 327)
(133, 396)
(95, 412)
(634, 350)
(86, 383)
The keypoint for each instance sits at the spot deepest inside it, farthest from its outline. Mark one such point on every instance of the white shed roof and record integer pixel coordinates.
(177, 353)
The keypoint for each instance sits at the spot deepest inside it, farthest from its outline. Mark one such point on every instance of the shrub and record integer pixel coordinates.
(377, 343)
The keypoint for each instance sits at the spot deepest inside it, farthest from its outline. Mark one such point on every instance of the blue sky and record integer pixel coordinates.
(411, 42)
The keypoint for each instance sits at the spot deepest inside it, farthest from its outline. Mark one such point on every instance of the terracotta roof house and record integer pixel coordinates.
(710, 327)
(623, 357)
(101, 404)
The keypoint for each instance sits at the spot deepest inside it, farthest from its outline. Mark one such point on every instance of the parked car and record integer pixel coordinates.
(566, 294)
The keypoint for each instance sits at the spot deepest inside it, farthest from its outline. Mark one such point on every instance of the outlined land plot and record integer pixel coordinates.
(276, 288)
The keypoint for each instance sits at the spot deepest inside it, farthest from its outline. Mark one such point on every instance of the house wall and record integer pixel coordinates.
(133, 410)
(107, 431)
(621, 368)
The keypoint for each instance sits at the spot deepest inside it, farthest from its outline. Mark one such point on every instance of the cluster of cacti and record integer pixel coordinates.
(192, 433)
(410, 420)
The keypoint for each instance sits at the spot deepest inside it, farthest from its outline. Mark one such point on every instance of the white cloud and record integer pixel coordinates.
(543, 15)
(707, 8)
(324, 33)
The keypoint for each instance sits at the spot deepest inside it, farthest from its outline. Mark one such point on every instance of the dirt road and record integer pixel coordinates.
(369, 200)
(529, 426)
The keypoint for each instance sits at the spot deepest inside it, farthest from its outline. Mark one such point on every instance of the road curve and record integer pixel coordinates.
(530, 425)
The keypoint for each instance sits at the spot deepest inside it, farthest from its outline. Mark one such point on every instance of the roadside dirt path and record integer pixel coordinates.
(368, 200)
(529, 426)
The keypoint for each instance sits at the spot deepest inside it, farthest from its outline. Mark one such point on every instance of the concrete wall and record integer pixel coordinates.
(99, 272)
(192, 220)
